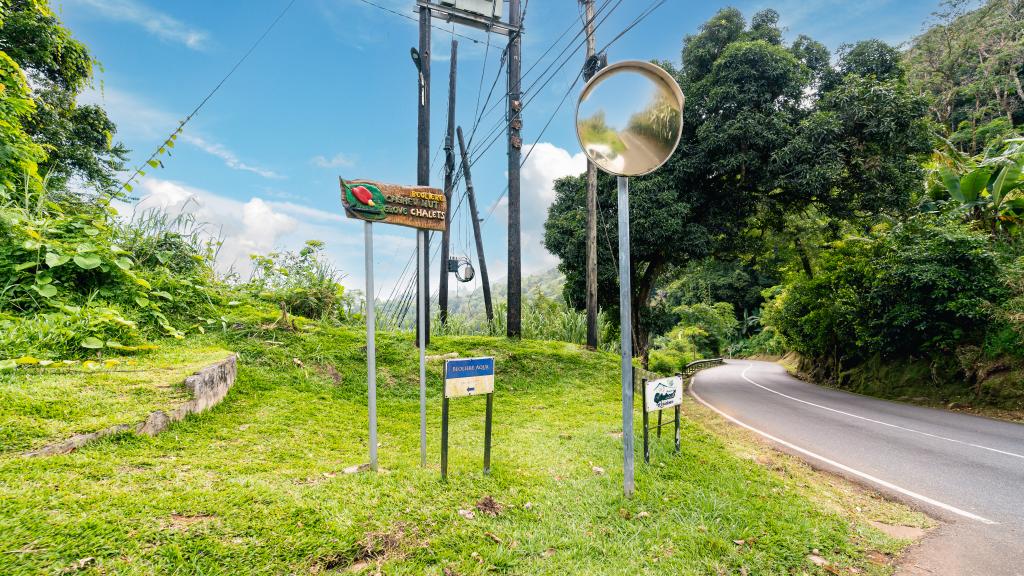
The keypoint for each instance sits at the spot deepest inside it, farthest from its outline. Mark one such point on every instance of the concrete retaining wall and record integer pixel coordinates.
(208, 388)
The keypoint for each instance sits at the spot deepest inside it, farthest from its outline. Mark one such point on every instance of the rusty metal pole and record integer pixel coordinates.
(514, 327)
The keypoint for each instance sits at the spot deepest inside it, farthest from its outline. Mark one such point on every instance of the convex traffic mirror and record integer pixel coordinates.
(630, 117)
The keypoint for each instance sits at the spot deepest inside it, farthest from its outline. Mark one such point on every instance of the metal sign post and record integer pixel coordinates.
(629, 120)
(468, 377)
(371, 345)
(421, 245)
(417, 207)
(626, 329)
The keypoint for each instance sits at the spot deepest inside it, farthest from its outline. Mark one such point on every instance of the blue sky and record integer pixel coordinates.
(332, 91)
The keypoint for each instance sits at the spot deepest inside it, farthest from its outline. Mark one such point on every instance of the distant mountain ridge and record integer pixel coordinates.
(548, 283)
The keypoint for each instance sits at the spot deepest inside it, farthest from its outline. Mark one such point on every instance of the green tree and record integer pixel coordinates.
(971, 63)
(923, 287)
(765, 136)
(78, 140)
(19, 156)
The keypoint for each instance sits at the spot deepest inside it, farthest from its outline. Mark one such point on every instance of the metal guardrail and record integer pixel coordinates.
(687, 371)
(698, 365)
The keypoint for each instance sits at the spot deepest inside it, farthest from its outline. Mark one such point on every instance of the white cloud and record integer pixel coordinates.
(157, 23)
(545, 164)
(259, 226)
(141, 120)
(134, 117)
(230, 159)
(313, 214)
(250, 227)
(339, 160)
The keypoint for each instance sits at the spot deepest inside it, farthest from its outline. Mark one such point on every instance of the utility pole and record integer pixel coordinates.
(423, 157)
(476, 228)
(449, 172)
(515, 144)
(591, 199)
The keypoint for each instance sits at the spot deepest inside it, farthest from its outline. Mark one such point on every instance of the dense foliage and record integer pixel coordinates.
(770, 130)
(971, 63)
(923, 287)
(78, 139)
(75, 277)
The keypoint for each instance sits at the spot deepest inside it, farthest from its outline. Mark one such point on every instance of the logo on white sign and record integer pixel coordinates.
(664, 393)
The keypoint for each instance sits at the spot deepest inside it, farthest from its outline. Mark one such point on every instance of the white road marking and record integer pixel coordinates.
(873, 421)
(843, 467)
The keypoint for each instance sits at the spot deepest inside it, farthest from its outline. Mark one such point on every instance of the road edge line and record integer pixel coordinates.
(873, 421)
(843, 467)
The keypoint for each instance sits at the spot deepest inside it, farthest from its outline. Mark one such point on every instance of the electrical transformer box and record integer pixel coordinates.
(487, 8)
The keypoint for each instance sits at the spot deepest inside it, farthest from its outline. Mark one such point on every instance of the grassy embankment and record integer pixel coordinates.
(995, 390)
(256, 485)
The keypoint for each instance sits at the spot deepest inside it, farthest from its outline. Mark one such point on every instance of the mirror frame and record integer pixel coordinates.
(637, 66)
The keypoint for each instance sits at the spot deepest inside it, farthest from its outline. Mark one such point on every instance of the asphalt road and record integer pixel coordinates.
(966, 470)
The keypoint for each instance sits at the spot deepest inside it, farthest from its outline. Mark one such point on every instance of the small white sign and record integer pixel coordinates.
(663, 393)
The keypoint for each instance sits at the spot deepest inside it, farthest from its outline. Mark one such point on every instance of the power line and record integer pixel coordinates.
(575, 38)
(643, 15)
(495, 132)
(181, 125)
(414, 19)
(650, 9)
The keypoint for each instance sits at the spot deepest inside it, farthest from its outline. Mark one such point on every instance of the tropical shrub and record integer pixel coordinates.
(302, 283)
(986, 188)
(922, 288)
(74, 279)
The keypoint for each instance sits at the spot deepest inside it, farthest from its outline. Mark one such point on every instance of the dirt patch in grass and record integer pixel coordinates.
(488, 505)
(186, 521)
(373, 550)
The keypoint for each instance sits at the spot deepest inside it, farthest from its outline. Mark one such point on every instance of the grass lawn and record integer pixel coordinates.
(256, 484)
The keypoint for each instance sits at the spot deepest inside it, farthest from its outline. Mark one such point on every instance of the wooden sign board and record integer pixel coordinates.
(663, 393)
(468, 377)
(413, 206)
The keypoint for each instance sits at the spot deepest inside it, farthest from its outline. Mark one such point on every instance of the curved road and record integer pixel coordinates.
(964, 469)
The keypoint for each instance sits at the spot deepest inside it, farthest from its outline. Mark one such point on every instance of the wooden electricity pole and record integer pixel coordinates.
(515, 144)
(476, 228)
(423, 152)
(591, 202)
(449, 173)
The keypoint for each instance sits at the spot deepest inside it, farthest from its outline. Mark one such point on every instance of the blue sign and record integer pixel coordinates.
(465, 368)
(468, 376)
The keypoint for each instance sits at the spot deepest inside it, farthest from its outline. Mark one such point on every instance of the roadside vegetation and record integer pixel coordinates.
(860, 211)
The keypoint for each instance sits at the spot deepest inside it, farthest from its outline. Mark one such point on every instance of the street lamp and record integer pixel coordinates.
(419, 68)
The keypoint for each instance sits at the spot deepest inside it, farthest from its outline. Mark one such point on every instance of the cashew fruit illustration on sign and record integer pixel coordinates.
(364, 199)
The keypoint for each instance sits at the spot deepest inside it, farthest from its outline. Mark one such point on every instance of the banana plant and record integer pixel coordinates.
(988, 187)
